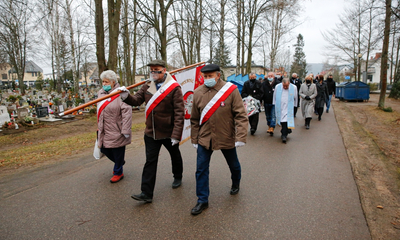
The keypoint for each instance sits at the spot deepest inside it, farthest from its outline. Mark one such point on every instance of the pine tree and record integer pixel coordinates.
(221, 58)
(299, 64)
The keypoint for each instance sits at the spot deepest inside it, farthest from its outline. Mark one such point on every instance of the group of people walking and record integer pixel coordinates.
(282, 98)
(218, 122)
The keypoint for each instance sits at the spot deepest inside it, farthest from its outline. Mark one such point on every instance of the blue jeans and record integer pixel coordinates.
(270, 114)
(203, 170)
(328, 104)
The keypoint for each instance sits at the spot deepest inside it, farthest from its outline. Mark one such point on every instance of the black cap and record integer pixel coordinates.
(210, 68)
(157, 62)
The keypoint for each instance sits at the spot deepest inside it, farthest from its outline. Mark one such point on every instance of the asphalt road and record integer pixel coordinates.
(300, 190)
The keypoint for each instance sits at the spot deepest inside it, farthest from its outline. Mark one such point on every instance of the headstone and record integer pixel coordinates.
(22, 112)
(12, 107)
(61, 108)
(4, 116)
(45, 104)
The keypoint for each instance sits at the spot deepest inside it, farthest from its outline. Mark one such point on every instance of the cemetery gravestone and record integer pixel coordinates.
(22, 113)
(4, 116)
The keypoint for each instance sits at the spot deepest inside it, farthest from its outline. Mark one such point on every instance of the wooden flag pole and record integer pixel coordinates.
(118, 92)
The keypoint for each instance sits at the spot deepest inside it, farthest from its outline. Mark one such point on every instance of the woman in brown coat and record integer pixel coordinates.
(114, 122)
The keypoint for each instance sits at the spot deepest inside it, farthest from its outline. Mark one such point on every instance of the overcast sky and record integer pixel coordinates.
(319, 15)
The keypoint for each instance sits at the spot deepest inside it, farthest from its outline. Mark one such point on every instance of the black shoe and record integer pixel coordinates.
(252, 131)
(319, 118)
(289, 131)
(327, 110)
(199, 208)
(284, 139)
(142, 197)
(234, 190)
(307, 126)
(177, 183)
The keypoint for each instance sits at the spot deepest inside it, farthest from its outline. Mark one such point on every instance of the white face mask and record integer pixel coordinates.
(153, 76)
(210, 82)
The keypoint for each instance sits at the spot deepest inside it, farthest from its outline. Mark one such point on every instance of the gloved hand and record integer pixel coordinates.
(126, 135)
(174, 141)
(307, 98)
(125, 92)
(239, 144)
(195, 145)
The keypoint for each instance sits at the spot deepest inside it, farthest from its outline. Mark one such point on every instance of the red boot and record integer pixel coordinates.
(116, 178)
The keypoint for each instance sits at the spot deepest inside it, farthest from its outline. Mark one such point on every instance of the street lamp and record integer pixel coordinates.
(359, 65)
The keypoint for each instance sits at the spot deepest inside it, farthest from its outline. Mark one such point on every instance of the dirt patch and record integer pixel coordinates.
(56, 142)
(372, 143)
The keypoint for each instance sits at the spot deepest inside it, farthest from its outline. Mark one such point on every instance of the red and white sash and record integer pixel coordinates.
(101, 105)
(215, 102)
(160, 95)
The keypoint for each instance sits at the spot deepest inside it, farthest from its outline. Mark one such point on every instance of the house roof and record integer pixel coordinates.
(30, 66)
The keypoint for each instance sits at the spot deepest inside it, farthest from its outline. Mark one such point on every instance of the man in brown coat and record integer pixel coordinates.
(165, 113)
(218, 122)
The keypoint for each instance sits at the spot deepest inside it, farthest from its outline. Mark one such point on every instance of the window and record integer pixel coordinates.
(370, 78)
(33, 74)
(4, 76)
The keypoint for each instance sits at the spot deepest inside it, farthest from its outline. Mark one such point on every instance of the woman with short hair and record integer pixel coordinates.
(308, 93)
(114, 122)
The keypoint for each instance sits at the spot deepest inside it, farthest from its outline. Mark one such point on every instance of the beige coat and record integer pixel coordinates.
(226, 126)
(114, 122)
(307, 106)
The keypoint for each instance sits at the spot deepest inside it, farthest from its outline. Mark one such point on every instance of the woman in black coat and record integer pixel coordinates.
(322, 96)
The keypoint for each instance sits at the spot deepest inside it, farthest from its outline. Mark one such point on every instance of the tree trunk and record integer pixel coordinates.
(71, 36)
(114, 13)
(239, 19)
(99, 22)
(127, 46)
(384, 59)
(135, 22)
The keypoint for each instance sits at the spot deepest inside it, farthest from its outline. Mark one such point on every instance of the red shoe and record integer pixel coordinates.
(116, 178)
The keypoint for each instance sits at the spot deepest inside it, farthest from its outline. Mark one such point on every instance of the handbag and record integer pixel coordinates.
(97, 152)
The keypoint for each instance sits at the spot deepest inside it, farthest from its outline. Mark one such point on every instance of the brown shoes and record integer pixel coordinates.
(270, 130)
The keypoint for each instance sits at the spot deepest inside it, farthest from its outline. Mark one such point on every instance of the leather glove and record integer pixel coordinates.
(195, 145)
(174, 141)
(239, 144)
(126, 135)
(307, 98)
(125, 92)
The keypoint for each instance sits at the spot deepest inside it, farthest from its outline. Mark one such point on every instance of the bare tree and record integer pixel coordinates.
(385, 49)
(14, 28)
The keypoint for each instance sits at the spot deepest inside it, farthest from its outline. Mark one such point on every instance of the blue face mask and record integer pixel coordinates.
(107, 88)
(210, 82)
(270, 79)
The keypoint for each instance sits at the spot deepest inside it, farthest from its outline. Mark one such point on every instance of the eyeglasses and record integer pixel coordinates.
(158, 72)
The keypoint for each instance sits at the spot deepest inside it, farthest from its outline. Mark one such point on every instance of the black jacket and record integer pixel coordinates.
(268, 89)
(253, 89)
(322, 96)
(331, 86)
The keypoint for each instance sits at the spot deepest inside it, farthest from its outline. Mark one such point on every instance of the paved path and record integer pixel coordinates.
(301, 190)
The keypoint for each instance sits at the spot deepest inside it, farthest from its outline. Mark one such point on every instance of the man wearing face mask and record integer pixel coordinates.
(331, 91)
(165, 113)
(218, 122)
(297, 82)
(278, 78)
(268, 88)
(253, 88)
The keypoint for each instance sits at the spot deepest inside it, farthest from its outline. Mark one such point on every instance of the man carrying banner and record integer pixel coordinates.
(219, 122)
(164, 124)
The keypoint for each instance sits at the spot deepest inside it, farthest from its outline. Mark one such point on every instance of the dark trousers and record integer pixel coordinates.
(150, 167)
(295, 111)
(284, 130)
(117, 155)
(320, 111)
(203, 170)
(253, 120)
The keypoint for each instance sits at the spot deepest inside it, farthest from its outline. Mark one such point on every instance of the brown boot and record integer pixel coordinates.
(271, 131)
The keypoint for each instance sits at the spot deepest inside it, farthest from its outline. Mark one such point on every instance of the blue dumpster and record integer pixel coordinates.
(356, 91)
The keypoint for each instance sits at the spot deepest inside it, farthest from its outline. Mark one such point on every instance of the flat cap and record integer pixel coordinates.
(157, 62)
(210, 68)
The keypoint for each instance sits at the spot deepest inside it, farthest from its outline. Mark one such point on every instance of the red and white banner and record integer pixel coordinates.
(189, 81)
(160, 95)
